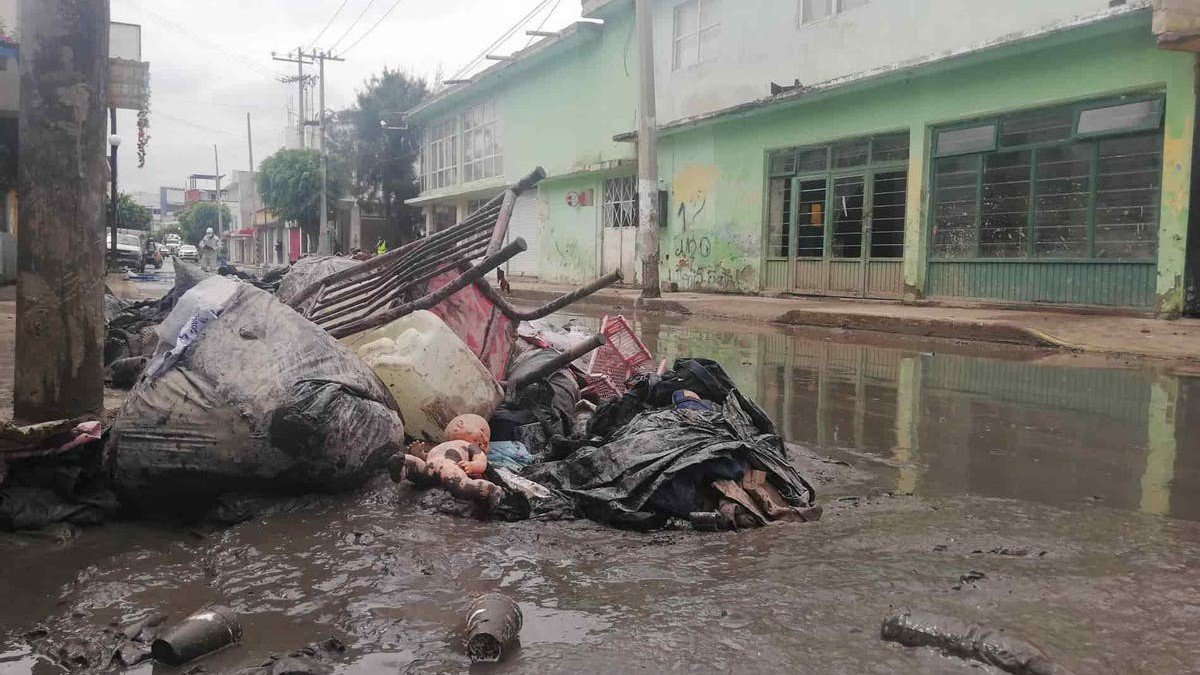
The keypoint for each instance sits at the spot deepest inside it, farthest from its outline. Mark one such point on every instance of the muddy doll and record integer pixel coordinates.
(456, 464)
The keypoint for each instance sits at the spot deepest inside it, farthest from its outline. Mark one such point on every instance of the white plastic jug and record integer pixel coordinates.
(430, 371)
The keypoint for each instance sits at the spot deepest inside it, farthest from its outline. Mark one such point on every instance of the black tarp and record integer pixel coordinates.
(642, 473)
(261, 400)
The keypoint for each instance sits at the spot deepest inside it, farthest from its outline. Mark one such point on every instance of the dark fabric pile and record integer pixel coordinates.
(651, 456)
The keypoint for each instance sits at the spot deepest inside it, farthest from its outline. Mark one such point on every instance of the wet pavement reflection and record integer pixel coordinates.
(951, 423)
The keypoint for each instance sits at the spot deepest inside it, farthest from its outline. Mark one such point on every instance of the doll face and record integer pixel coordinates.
(470, 428)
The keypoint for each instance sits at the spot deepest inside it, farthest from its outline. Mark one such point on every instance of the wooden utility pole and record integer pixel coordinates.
(647, 144)
(300, 61)
(60, 248)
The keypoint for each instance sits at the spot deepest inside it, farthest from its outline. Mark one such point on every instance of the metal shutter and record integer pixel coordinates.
(524, 223)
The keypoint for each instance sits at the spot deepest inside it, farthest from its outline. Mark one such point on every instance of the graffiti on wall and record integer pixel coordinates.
(700, 253)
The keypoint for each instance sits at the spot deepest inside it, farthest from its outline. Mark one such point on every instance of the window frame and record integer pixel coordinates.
(1074, 138)
(605, 203)
(836, 9)
(868, 170)
(699, 30)
(482, 162)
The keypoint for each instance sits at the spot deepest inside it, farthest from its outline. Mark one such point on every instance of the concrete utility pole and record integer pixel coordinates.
(647, 144)
(325, 245)
(299, 80)
(112, 168)
(220, 202)
(60, 249)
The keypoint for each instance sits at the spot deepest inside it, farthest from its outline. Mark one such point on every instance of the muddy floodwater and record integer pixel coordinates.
(1046, 494)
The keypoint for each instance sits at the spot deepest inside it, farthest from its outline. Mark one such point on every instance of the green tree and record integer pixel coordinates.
(130, 214)
(200, 216)
(382, 159)
(290, 184)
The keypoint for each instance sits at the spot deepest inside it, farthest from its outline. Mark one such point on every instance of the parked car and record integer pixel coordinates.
(188, 252)
(129, 253)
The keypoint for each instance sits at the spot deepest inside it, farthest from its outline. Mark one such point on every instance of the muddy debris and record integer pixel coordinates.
(204, 632)
(494, 623)
(966, 640)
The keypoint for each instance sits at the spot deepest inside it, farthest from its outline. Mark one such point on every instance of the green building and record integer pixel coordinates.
(1019, 152)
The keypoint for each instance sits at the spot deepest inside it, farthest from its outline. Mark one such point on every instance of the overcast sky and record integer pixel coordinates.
(210, 64)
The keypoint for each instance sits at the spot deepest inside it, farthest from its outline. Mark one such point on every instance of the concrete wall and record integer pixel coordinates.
(716, 172)
(761, 41)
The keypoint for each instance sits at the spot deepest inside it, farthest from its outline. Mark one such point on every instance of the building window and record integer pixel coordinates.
(839, 200)
(696, 32)
(1073, 182)
(481, 143)
(620, 202)
(812, 11)
(439, 164)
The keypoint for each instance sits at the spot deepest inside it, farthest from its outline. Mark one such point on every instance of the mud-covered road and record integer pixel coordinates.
(1053, 497)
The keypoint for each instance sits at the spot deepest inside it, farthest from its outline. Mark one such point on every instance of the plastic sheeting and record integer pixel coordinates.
(619, 482)
(262, 400)
(308, 271)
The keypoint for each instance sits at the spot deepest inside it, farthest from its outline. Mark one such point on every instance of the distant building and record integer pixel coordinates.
(1013, 152)
(171, 201)
(10, 89)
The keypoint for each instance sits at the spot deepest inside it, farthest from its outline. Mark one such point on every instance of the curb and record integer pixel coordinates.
(976, 331)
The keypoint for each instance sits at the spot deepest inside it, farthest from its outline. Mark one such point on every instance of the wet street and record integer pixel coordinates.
(1069, 485)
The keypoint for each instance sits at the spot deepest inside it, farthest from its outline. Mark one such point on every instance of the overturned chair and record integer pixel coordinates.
(445, 274)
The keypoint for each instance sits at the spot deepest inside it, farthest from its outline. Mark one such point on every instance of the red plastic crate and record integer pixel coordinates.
(611, 366)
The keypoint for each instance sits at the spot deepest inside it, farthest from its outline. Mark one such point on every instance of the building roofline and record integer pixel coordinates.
(1112, 19)
(511, 64)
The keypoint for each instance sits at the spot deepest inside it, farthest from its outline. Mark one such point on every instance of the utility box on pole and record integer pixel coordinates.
(60, 250)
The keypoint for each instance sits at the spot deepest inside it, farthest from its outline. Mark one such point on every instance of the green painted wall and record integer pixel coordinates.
(562, 109)
(569, 233)
(716, 172)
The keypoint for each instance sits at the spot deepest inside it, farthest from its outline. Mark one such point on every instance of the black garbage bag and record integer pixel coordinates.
(619, 482)
(261, 400)
(649, 392)
(308, 271)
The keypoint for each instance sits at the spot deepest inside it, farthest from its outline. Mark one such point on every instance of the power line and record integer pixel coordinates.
(329, 23)
(359, 18)
(212, 43)
(201, 127)
(545, 19)
(373, 27)
(507, 34)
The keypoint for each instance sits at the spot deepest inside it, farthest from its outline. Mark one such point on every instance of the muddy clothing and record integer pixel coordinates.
(209, 246)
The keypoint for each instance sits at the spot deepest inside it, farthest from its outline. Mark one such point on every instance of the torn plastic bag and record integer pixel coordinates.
(526, 500)
(262, 400)
(210, 295)
(308, 271)
(617, 482)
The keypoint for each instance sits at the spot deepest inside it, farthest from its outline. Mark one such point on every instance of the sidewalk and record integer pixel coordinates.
(1108, 334)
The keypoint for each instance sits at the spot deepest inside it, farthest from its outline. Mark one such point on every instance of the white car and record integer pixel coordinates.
(188, 252)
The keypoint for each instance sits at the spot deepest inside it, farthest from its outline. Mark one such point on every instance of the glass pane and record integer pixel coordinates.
(1063, 194)
(851, 153)
(887, 214)
(816, 159)
(954, 206)
(847, 217)
(783, 162)
(687, 18)
(846, 5)
(708, 13)
(960, 141)
(810, 230)
(686, 51)
(1036, 126)
(815, 10)
(1127, 117)
(1004, 208)
(779, 228)
(890, 148)
(708, 42)
(1127, 197)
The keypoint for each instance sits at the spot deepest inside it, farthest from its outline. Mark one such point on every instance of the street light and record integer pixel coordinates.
(114, 142)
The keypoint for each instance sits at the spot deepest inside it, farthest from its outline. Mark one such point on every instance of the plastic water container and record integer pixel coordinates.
(430, 371)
